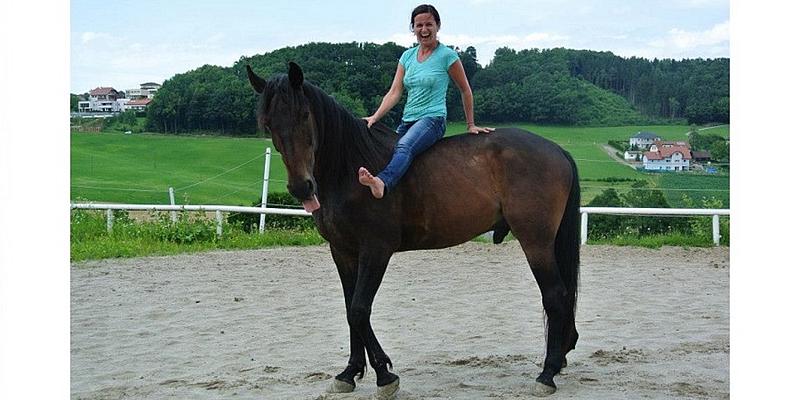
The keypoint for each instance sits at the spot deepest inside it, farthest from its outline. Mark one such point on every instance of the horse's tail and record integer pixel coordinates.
(567, 248)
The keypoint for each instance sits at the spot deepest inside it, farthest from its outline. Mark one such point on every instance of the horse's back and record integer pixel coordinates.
(465, 184)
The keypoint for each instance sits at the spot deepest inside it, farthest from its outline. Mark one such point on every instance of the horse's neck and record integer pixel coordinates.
(342, 149)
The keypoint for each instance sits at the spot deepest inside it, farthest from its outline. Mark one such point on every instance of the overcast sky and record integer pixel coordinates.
(125, 43)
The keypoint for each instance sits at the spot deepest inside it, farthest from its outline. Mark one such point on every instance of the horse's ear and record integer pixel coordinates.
(295, 75)
(256, 82)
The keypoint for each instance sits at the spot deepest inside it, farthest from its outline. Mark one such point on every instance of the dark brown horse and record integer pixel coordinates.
(463, 186)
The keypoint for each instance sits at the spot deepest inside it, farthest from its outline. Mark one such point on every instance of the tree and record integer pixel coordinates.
(720, 150)
(606, 226)
(73, 102)
(641, 197)
(552, 86)
(469, 58)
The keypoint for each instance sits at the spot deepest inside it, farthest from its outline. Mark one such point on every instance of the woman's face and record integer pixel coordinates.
(425, 29)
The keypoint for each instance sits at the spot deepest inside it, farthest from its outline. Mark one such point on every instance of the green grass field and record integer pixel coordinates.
(140, 168)
(110, 167)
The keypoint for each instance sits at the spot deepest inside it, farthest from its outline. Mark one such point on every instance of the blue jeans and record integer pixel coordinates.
(415, 137)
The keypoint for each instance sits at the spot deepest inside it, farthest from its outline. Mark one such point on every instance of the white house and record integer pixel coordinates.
(137, 104)
(643, 140)
(667, 156)
(145, 91)
(109, 100)
(633, 155)
(102, 99)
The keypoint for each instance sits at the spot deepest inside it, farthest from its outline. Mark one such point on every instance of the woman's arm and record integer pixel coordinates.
(391, 98)
(456, 72)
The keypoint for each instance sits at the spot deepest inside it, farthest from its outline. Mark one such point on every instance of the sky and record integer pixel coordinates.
(125, 43)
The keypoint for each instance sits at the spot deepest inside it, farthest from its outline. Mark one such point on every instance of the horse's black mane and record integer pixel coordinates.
(344, 141)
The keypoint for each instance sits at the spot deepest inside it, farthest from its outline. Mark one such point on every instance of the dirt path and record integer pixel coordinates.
(462, 323)
(612, 152)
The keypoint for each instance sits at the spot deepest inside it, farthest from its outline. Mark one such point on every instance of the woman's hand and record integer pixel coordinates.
(371, 120)
(471, 128)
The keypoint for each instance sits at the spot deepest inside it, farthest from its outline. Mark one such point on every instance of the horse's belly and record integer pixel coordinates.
(444, 210)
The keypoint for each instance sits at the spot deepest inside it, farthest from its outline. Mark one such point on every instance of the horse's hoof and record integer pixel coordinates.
(387, 392)
(338, 386)
(542, 390)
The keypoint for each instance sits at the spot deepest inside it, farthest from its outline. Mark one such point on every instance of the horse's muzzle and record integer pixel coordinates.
(304, 190)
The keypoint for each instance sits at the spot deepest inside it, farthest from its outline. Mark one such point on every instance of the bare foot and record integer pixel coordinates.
(375, 184)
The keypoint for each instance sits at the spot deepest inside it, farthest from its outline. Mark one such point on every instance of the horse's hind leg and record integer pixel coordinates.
(554, 300)
(537, 243)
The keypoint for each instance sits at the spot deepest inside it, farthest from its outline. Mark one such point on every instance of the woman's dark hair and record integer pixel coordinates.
(422, 9)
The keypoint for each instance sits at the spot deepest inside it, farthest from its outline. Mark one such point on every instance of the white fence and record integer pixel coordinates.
(585, 211)
(713, 212)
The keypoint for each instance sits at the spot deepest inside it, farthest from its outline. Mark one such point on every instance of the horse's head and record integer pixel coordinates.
(285, 111)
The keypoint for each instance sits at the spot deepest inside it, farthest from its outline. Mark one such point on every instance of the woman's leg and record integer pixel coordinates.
(419, 137)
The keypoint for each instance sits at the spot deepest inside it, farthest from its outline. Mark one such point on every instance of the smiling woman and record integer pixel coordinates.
(425, 71)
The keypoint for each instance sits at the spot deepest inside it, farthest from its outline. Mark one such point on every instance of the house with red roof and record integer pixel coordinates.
(137, 104)
(105, 101)
(667, 156)
(102, 99)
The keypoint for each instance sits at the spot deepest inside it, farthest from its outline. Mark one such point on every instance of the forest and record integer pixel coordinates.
(541, 86)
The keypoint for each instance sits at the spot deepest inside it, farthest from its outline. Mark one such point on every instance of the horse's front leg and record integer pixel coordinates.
(345, 382)
(372, 263)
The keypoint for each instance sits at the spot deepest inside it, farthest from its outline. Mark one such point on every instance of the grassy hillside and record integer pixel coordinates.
(111, 167)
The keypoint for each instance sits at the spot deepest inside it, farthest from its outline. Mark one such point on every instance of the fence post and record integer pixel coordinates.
(715, 229)
(174, 214)
(264, 191)
(219, 223)
(584, 227)
(109, 220)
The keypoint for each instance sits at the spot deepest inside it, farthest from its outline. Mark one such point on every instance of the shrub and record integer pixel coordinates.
(611, 226)
(187, 229)
(619, 145)
(605, 226)
(248, 222)
(702, 225)
(648, 225)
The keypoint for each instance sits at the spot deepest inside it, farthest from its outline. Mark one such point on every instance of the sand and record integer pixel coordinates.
(461, 323)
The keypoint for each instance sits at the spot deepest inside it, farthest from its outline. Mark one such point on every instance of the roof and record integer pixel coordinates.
(102, 91)
(700, 154)
(667, 149)
(652, 155)
(139, 102)
(646, 135)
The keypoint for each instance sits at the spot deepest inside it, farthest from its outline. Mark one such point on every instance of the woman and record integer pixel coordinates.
(424, 70)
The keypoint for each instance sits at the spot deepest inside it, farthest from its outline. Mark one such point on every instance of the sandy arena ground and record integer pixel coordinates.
(461, 323)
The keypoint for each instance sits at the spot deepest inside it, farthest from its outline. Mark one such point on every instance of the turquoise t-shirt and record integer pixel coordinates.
(426, 82)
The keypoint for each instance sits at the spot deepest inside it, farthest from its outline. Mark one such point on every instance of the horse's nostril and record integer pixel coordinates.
(302, 189)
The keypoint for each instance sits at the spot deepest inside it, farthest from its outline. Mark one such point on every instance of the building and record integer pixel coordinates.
(701, 156)
(145, 91)
(633, 155)
(102, 99)
(643, 140)
(107, 100)
(137, 104)
(667, 156)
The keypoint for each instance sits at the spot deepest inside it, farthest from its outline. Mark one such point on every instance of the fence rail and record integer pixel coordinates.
(715, 213)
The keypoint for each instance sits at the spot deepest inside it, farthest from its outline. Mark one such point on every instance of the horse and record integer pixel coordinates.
(465, 185)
